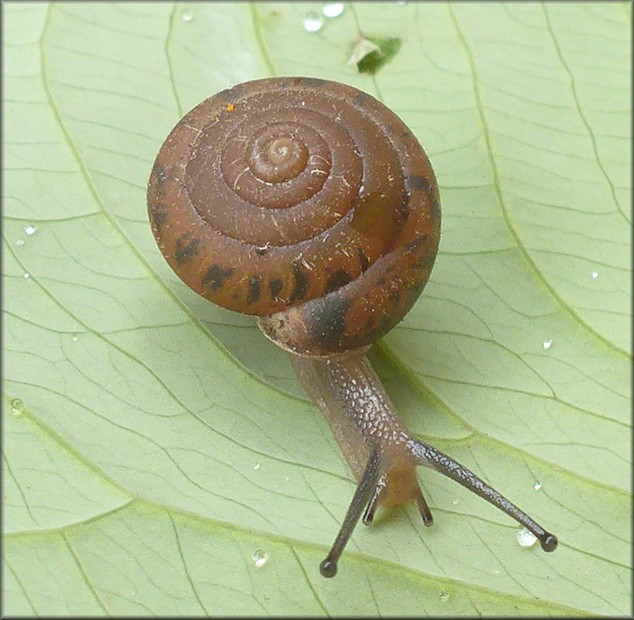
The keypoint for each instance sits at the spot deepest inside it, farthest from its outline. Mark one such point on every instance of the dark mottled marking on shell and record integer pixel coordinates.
(158, 212)
(254, 289)
(360, 99)
(337, 280)
(415, 287)
(426, 261)
(435, 202)
(329, 320)
(275, 286)
(364, 261)
(186, 247)
(313, 82)
(413, 291)
(158, 216)
(216, 277)
(385, 325)
(404, 206)
(380, 328)
(161, 175)
(395, 296)
(413, 245)
(301, 284)
(227, 94)
(381, 281)
(418, 182)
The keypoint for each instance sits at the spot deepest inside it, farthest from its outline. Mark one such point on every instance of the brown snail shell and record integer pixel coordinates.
(303, 201)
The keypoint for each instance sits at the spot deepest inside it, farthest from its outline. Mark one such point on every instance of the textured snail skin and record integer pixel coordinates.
(311, 205)
(303, 201)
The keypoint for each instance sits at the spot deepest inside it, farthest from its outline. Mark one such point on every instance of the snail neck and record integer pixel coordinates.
(361, 415)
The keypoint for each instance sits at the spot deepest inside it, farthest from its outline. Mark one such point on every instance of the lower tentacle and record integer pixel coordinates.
(365, 490)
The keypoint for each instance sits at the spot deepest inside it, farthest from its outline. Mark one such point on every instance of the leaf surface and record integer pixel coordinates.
(159, 457)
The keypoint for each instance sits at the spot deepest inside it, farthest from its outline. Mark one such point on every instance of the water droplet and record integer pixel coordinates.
(27, 275)
(401, 2)
(525, 538)
(333, 9)
(256, 466)
(595, 275)
(187, 15)
(547, 344)
(454, 501)
(260, 558)
(29, 229)
(75, 337)
(19, 243)
(444, 596)
(17, 407)
(313, 22)
(496, 571)
(537, 485)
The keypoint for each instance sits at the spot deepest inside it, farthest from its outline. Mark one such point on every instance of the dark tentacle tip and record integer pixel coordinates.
(549, 542)
(328, 568)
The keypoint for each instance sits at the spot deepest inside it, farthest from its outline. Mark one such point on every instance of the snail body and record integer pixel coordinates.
(312, 206)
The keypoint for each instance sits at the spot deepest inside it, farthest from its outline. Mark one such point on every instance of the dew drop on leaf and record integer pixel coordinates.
(19, 243)
(260, 558)
(186, 15)
(547, 344)
(525, 538)
(313, 22)
(537, 485)
(29, 229)
(17, 407)
(332, 9)
(595, 275)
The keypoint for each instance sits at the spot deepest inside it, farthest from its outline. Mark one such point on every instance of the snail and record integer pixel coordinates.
(312, 206)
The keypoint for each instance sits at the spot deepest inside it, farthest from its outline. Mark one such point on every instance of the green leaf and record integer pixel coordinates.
(159, 457)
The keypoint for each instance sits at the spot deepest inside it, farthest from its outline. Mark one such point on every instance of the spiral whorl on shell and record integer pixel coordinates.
(304, 201)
